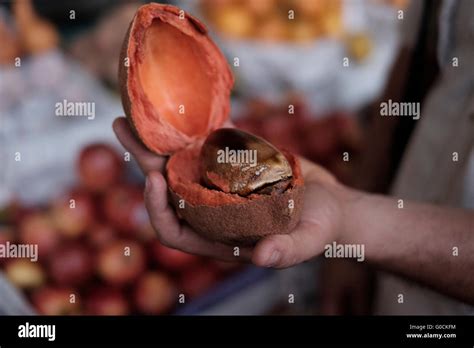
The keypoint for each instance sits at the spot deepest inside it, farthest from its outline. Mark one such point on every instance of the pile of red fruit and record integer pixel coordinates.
(322, 140)
(97, 252)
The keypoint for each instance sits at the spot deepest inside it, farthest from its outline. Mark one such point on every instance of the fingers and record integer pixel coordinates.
(172, 234)
(147, 160)
(285, 250)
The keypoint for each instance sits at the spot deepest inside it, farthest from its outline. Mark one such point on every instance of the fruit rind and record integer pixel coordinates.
(235, 220)
(163, 138)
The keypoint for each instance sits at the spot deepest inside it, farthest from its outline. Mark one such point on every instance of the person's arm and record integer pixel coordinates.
(346, 287)
(431, 244)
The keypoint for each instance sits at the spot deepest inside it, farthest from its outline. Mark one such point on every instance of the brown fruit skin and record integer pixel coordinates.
(244, 224)
(231, 222)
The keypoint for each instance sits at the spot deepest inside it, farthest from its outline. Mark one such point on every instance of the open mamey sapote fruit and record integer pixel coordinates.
(230, 186)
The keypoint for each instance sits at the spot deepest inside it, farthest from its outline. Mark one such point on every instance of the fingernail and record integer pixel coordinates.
(273, 259)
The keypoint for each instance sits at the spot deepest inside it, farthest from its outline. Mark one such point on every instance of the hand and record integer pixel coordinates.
(321, 221)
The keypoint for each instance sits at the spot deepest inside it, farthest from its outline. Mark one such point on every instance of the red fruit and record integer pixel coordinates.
(56, 301)
(121, 262)
(125, 209)
(171, 259)
(25, 274)
(197, 280)
(71, 265)
(100, 235)
(106, 301)
(38, 228)
(154, 293)
(250, 125)
(73, 213)
(100, 167)
(281, 131)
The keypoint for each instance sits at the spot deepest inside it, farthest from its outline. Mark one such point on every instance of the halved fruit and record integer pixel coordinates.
(175, 86)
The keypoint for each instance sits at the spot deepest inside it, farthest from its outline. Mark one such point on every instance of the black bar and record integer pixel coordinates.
(289, 330)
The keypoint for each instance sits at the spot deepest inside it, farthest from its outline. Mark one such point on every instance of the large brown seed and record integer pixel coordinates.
(238, 162)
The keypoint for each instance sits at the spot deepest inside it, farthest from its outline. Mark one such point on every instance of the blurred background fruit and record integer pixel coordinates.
(100, 167)
(106, 300)
(38, 229)
(35, 34)
(56, 301)
(98, 253)
(275, 20)
(198, 279)
(121, 262)
(323, 140)
(155, 293)
(124, 208)
(25, 274)
(100, 234)
(73, 213)
(71, 265)
(171, 259)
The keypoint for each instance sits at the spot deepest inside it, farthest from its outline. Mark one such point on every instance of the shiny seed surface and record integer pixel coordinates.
(239, 162)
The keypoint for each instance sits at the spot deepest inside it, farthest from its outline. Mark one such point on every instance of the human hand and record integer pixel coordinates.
(321, 221)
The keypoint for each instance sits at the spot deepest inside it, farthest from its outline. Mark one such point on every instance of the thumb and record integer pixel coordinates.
(162, 217)
(156, 193)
